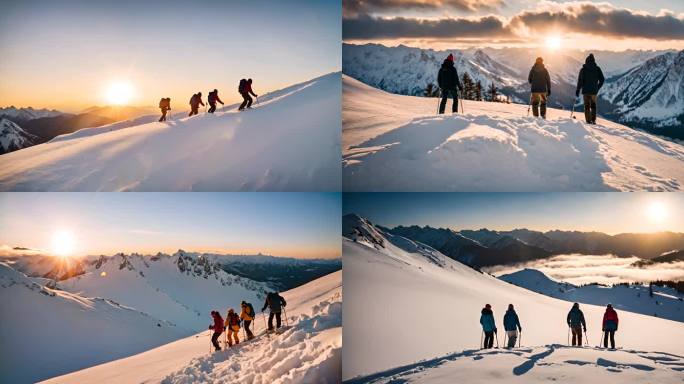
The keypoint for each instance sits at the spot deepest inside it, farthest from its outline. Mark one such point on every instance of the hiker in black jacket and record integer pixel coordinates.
(448, 81)
(275, 303)
(540, 81)
(590, 81)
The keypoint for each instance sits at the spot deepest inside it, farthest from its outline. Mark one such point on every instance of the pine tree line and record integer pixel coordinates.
(472, 90)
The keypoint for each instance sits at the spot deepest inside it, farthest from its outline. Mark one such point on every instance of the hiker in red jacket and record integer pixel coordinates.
(212, 99)
(218, 329)
(610, 325)
(195, 102)
(245, 89)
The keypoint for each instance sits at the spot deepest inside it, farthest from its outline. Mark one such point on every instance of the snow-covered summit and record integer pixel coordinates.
(13, 137)
(28, 113)
(288, 141)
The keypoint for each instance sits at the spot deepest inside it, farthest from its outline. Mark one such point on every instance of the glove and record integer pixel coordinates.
(460, 89)
(585, 329)
(603, 329)
(577, 93)
(548, 93)
(256, 95)
(495, 330)
(519, 329)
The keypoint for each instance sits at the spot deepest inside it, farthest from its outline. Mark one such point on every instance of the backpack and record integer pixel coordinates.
(241, 87)
(161, 103)
(250, 310)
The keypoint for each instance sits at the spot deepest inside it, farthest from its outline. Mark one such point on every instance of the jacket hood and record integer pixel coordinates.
(590, 59)
(447, 63)
(486, 311)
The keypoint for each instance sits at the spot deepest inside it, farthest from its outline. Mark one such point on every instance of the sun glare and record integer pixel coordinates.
(553, 42)
(63, 244)
(119, 93)
(657, 211)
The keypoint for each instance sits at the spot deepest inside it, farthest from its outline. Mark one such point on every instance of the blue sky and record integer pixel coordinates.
(283, 224)
(606, 212)
(64, 53)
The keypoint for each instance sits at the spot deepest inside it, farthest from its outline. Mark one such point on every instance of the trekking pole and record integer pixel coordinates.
(287, 324)
(505, 335)
(586, 337)
(568, 335)
(520, 340)
(439, 99)
(497, 339)
(481, 338)
(529, 105)
(209, 334)
(265, 326)
(461, 100)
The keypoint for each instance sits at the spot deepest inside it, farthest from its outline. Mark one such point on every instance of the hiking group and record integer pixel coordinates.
(575, 320)
(274, 302)
(244, 89)
(589, 82)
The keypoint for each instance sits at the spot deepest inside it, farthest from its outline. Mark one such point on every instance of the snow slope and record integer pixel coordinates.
(666, 303)
(289, 141)
(13, 137)
(307, 352)
(47, 332)
(398, 143)
(402, 307)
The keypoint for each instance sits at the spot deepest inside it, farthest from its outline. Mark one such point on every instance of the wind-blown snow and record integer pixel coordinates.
(402, 307)
(307, 352)
(289, 141)
(398, 143)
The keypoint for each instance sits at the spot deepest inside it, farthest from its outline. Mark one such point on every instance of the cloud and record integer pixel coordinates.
(601, 19)
(8, 252)
(605, 269)
(367, 6)
(367, 27)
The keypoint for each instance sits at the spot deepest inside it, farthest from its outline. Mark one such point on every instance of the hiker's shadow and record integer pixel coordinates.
(529, 364)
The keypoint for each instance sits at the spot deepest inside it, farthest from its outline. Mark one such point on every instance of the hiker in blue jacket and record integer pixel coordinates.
(511, 325)
(488, 326)
(576, 323)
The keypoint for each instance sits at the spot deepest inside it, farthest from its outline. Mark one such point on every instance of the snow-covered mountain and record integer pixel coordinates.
(12, 137)
(288, 141)
(28, 113)
(426, 310)
(309, 351)
(665, 303)
(397, 143)
(651, 95)
(47, 332)
(643, 88)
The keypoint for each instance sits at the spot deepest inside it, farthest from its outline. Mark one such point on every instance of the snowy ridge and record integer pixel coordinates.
(290, 142)
(389, 290)
(397, 143)
(13, 137)
(28, 113)
(309, 351)
(35, 317)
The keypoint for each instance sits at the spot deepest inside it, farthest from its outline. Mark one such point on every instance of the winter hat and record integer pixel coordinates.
(450, 57)
(539, 61)
(488, 306)
(510, 307)
(231, 310)
(610, 306)
(590, 58)
(576, 305)
(243, 303)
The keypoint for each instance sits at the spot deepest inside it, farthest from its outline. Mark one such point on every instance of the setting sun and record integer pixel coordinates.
(119, 93)
(63, 243)
(657, 211)
(553, 42)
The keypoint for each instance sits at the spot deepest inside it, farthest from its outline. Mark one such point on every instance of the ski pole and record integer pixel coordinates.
(505, 335)
(481, 339)
(461, 100)
(568, 335)
(520, 339)
(572, 114)
(529, 105)
(497, 339)
(287, 324)
(265, 326)
(586, 337)
(209, 334)
(439, 100)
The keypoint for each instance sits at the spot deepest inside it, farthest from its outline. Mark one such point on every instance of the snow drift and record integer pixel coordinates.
(406, 302)
(309, 351)
(398, 143)
(289, 141)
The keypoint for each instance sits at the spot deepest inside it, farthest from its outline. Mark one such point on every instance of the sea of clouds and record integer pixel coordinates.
(605, 269)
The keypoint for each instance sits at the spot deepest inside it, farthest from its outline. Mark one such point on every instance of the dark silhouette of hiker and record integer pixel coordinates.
(576, 323)
(448, 81)
(540, 82)
(164, 106)
(212, 98)
(589, 81)
(488, 326)
(245, 89)
(217, 327)
(195, 102)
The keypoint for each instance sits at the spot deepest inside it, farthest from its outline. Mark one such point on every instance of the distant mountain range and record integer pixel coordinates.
(644, 89)
(485, 248)
(35, 126)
